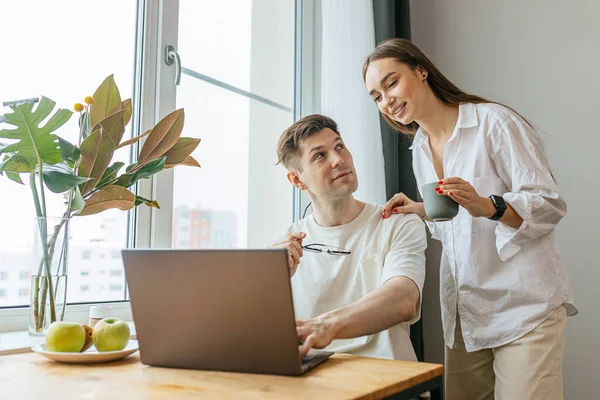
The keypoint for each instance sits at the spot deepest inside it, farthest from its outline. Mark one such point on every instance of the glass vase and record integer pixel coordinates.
(49, 275)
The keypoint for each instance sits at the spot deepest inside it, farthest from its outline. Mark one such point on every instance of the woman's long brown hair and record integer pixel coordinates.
(406, 52)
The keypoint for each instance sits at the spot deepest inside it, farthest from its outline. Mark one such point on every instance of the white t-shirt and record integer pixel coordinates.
(381, 249)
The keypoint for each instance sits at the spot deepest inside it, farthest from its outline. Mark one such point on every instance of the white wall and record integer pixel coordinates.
(541, 57)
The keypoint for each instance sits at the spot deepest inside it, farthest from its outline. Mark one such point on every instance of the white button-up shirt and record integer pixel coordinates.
(503, 281)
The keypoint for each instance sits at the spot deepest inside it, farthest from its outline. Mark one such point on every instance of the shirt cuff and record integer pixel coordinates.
(507, 236)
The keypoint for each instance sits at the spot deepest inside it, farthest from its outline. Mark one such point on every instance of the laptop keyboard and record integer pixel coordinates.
(307, 358)
(312, 354)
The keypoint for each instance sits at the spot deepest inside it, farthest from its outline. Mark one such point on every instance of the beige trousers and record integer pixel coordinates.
(529, 368)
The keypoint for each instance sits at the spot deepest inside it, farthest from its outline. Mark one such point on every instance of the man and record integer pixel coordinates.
(356, 278)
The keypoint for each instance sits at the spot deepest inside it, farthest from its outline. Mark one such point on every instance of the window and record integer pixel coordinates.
(71, 58)
(238, 93)
(23, 292)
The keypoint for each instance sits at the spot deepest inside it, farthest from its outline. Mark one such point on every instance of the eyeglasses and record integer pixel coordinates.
(323, 248)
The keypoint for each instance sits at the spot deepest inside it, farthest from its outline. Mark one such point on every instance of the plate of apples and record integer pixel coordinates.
(70, 342)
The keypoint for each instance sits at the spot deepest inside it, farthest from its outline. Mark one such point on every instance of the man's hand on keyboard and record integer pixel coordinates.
(315, 333)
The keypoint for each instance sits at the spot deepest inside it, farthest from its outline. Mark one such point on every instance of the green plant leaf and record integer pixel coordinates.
(84, 124)
(59, 177)
(110, 174)
(96, 153)
(2, 163)
(14, 176)
(134, 139)
(123, 180)
(150, 203)
(78, 202)
(59, 182)
(16, 163)
(153, 167)
(106, 98)
(109, 197)
(130, 167)
(180, 151)
(163, 136)
(32, 138)
(2, 147)
(68, 152)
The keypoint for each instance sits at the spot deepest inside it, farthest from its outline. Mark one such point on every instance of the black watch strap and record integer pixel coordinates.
(500, 205)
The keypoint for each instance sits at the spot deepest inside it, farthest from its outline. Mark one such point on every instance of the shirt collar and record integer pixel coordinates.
(467, 118)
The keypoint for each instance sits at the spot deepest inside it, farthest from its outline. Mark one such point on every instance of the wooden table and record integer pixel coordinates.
(31, 376)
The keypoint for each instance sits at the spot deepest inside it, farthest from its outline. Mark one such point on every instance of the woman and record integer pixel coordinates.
(504, 290)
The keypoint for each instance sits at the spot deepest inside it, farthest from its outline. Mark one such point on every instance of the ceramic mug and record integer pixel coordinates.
(438, 207)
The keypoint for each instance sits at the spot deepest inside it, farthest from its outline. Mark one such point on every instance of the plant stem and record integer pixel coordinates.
(40, 205)
(43, 303)
(36, 285)
(62, 262)
(36, 288)
(76, 165)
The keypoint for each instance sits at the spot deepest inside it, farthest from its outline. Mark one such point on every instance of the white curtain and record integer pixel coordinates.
(348, 37)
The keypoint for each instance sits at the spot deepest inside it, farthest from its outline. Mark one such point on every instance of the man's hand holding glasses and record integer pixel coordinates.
(293, 244)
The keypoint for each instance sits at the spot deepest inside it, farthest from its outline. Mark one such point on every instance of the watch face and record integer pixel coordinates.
(500, 205)
(499, 202)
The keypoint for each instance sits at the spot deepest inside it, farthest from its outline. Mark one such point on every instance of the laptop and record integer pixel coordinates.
(221, 310)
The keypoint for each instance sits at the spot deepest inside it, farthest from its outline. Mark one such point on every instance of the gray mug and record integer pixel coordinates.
(437, 207)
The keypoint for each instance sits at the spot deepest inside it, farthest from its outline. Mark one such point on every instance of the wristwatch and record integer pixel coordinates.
(500, 205)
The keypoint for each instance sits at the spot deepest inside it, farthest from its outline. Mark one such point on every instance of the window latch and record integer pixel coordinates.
(171, 56)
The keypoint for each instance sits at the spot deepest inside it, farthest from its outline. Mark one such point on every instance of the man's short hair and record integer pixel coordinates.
(288, 146)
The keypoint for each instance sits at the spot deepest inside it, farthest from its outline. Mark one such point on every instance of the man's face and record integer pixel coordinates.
(327, 170)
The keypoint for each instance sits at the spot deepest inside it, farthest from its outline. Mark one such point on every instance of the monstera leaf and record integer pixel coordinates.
(31, 138)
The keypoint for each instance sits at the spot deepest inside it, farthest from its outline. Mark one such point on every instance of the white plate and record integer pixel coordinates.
(90, 356)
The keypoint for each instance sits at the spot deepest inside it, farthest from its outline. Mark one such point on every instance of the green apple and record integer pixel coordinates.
(65, 337)
(110, 334)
